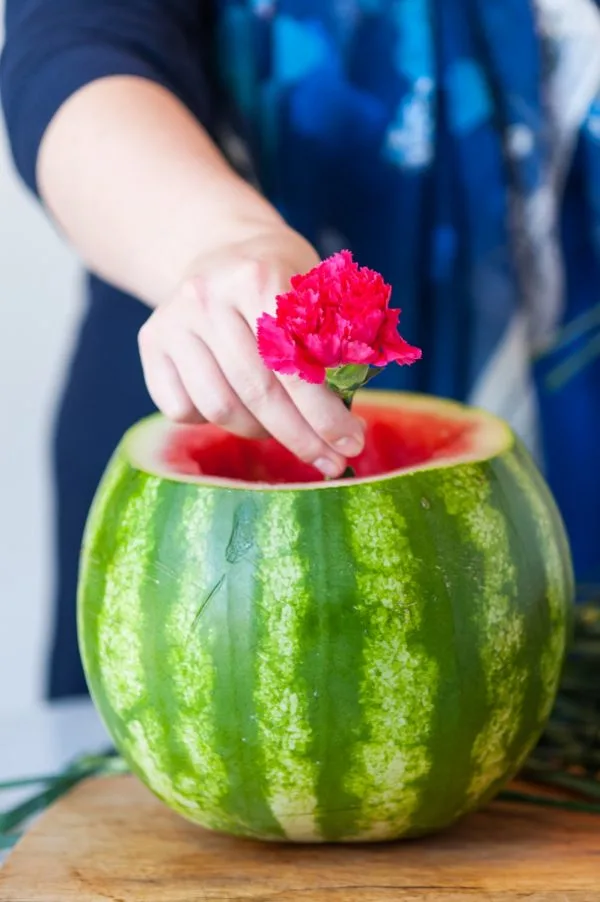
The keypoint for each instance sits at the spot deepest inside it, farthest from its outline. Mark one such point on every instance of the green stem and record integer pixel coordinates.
(16, 816)
(26, 782)
(345, 381)
(88, 766)
(349, 471)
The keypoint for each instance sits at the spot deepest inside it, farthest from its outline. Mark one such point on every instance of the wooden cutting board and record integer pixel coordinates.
(111, 840)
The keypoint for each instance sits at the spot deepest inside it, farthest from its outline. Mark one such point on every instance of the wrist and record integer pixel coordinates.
(253, 231)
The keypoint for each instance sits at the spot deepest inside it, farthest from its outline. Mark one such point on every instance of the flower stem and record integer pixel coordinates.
(347, 399)
(345, 381)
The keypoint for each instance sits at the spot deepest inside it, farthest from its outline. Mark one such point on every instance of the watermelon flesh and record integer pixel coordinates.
(395, 440)
(289, 659)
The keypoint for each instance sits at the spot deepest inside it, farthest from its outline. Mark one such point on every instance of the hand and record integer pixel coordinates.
(201, 361)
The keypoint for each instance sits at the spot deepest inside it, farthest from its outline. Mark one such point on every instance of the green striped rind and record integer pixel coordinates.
(399, 679)
(229, 614)
(332, 641)
(281, 697)
(345, 663)
(189, 669)
(559, 582)
(118, 553)
(499, 624)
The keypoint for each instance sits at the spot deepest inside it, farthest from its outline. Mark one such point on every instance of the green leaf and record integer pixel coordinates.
(81, 769)
(347, 380)
(14, 817)
(25, 782)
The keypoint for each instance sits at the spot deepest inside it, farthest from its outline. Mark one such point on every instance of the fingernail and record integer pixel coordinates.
(327, 467)
(349, 445)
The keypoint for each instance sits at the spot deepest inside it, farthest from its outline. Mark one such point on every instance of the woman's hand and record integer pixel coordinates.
(141, 189)
(201, 361)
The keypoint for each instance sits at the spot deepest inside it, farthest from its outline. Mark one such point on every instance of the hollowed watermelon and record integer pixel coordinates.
(286, 658)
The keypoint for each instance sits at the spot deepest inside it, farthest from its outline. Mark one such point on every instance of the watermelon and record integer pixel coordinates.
(286, 658)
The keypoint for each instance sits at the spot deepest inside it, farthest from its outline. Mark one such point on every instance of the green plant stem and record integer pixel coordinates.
(349, 472)
(25, 782)
(17, 815)
(345, 382)
(88, 766)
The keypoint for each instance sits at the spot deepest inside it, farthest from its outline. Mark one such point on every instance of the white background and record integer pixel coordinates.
(39, 305)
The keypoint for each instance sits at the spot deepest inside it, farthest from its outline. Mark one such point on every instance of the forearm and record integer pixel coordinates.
(138, 186)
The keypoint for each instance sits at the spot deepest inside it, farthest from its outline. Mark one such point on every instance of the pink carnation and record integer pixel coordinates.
(336, 314)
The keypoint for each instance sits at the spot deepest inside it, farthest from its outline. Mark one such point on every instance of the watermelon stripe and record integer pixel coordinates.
(189, 667)
(161, 590)
(532, 591)
(467, 496)
(122, 613)
(399, 679)
(152, 721)
(283, 599)
(556, 560)
(99, 544)
(332, 641)
(452, 635)
(120, 636)
(235, 634)
(110, 499)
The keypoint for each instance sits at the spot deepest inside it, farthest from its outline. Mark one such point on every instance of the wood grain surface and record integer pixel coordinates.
(111, 840)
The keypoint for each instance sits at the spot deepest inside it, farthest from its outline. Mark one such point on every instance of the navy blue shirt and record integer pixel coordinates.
(55, 47)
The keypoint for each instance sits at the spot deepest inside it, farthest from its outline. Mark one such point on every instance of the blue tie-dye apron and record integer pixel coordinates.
(455, 146)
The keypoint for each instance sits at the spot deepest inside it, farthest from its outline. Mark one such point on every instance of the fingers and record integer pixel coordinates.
(163, 383)
(264, 396)
(210, 391)
(188, 386)
(327, 416)
(236, 392)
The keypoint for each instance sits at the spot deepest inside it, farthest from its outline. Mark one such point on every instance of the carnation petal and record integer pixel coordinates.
(403, 356)
(309, 369)
(323, 348)
(274, 344)
(399, 351)
(364, 325)
(336, 314)
(357, 352)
